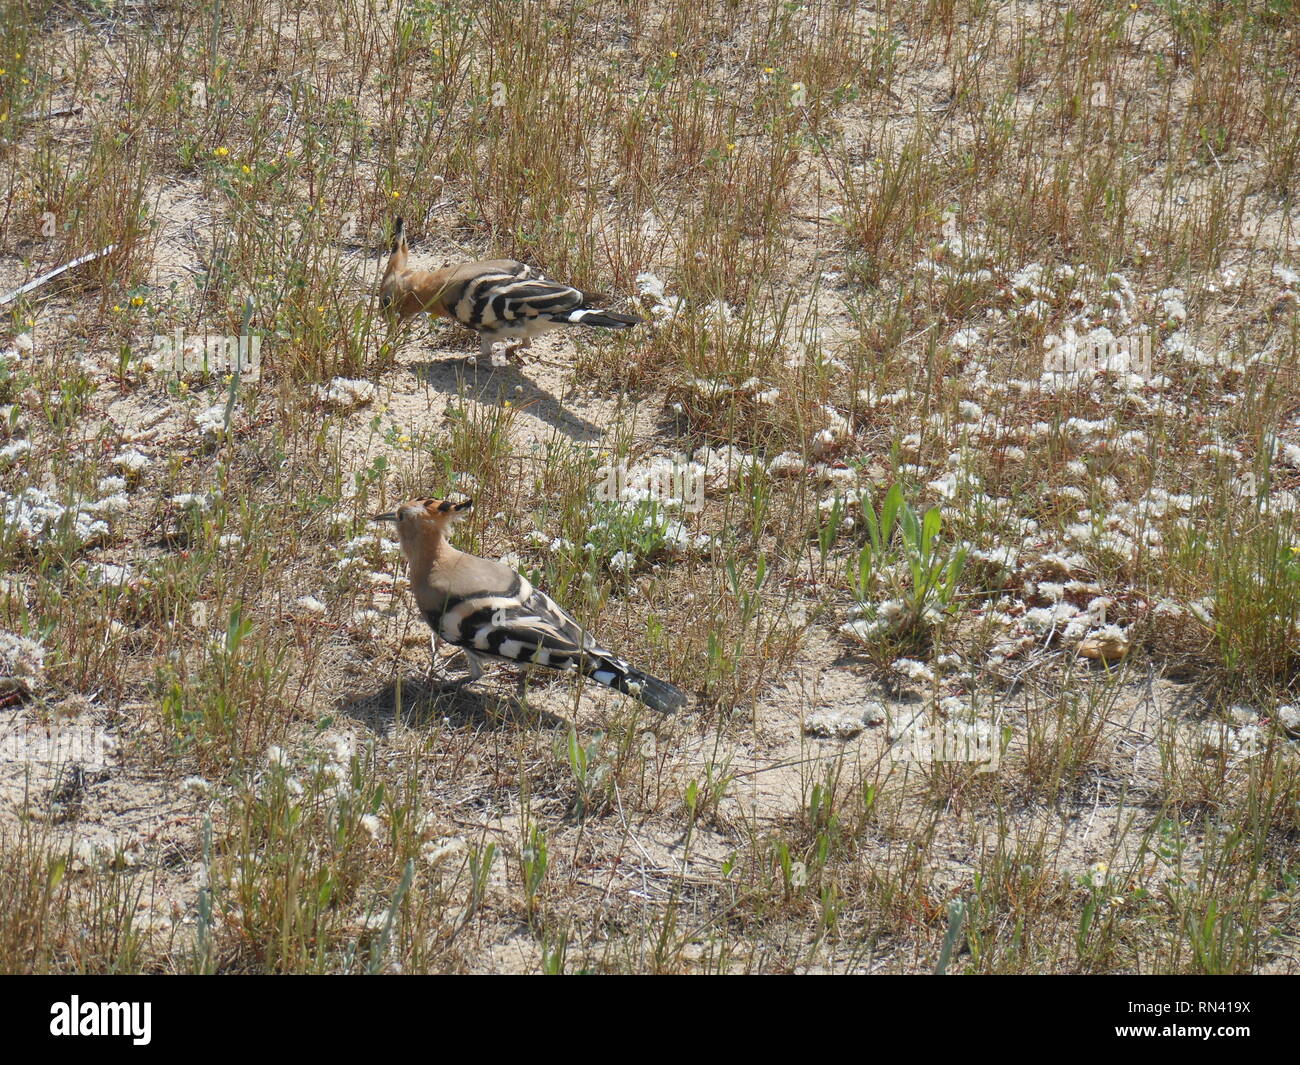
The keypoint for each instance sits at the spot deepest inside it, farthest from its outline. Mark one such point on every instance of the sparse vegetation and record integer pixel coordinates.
(976, 325)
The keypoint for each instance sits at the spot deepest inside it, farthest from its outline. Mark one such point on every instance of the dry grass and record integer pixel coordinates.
(889, 245)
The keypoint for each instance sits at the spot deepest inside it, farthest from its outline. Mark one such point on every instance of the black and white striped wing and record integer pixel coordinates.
(520, 624)
(501, 298)
(525, 625)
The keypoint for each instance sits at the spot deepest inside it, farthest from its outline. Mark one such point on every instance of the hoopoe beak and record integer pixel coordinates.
(390, 516)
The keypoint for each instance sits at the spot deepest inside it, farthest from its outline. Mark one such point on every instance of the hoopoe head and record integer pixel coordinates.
(423, 522)
(405, 290)
(397, 253)
(399, 237)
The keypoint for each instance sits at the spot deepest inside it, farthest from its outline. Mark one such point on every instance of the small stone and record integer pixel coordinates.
(1106, 645)
(833, 724)
(1289, 718)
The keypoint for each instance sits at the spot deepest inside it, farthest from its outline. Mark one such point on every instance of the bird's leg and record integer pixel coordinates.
(436, 652)
(473, 665)
(437, 673)
(485, 349)
(433, 656)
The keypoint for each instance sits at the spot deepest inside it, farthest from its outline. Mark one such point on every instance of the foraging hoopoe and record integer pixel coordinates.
(500, 299)
(491, 611)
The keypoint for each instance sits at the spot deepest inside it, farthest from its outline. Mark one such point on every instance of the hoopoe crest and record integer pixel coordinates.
(492, 612)
(500, 299)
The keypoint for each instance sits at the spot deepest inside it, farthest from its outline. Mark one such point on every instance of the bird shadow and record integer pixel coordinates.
(416, 701)
(498, 383)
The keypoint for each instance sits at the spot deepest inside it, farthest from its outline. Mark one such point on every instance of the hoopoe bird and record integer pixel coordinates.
(492, 612)
(500, 299)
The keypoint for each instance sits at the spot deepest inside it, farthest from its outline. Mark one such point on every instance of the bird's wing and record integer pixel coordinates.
(487, 607)
(490, 609)
(502, 293)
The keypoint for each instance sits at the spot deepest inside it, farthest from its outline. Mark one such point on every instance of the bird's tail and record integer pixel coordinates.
(619, 675)
(399, 235)
(608, 319)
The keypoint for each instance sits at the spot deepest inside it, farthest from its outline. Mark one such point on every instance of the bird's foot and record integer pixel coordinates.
(438, 680)
(472, 664)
